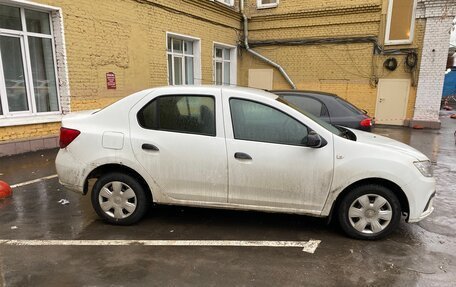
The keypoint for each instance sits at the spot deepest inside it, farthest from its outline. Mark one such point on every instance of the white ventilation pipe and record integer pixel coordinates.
(258, 55)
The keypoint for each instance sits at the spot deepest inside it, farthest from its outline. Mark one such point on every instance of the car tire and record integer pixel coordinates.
(369, 212)
(119, 199)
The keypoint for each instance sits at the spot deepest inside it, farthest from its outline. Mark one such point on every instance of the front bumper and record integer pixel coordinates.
(423, 216)
(428, 209)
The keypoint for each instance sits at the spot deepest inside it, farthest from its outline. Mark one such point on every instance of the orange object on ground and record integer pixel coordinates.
(453, 116)
(418, 127)
(5, 190)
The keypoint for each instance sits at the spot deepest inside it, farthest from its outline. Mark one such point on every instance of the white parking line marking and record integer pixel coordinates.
(34, 181)
(307, 246)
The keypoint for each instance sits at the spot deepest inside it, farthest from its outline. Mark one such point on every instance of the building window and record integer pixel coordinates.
(267, 3)
(183, 56)
(224, 65)
(28, 74)
(400, 22)
(227, 2)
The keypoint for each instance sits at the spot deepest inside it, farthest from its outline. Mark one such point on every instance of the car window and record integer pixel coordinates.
(310, 105)
(186, 114)
(258, 122)
(349, 106)
(319, 121)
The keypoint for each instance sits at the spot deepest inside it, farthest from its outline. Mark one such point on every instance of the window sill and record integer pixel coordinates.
(398, 42)
(30, 120)
(267, 6)
(227, 4)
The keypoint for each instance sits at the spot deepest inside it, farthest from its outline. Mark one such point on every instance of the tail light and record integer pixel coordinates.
(367, 122)
(67, 136)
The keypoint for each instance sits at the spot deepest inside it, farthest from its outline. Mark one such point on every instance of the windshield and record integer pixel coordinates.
(319, 121)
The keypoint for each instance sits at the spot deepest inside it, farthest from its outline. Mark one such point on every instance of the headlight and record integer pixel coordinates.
(425, 167)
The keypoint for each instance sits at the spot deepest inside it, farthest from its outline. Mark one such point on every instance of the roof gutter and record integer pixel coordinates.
(258, 55)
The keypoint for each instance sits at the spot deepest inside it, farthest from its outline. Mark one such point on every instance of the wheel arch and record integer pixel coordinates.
(113, 167)
(396, 189)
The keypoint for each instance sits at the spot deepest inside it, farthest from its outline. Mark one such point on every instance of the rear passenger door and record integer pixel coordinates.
(179, 141)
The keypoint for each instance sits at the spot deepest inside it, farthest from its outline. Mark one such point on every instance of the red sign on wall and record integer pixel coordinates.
(111, 81)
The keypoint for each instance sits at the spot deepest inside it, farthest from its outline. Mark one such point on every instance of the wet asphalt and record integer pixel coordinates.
(422, 254)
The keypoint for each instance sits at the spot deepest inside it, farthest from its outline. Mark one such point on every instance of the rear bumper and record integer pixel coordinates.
(70, 171)
(366, 129)
(75, 188)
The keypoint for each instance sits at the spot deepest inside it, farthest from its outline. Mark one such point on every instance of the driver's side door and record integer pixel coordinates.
(268, 164)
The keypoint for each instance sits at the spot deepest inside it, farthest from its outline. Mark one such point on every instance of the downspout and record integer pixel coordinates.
(258, 55)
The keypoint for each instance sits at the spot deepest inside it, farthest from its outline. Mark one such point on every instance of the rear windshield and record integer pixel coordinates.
(349, 106)
(316, 119)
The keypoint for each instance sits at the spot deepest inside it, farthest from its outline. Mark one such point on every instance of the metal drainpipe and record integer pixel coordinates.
(258, 55)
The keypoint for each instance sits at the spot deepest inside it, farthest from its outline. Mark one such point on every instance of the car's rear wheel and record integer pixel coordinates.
(369, 212)
(119, 199)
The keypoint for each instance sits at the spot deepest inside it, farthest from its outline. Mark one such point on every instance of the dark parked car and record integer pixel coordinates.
(329, 107)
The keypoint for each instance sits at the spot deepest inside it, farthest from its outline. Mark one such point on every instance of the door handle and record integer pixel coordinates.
(149, 147)
(241, 155)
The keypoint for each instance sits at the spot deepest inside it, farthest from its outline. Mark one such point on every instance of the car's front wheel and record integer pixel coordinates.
(119, 199)
(369, 212)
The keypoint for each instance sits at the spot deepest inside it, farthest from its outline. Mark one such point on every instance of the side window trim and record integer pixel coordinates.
(325, 111)
(274, 108)
(324, 108)
(157, 115)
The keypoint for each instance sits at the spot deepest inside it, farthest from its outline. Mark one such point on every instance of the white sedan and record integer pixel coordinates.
(238, 148)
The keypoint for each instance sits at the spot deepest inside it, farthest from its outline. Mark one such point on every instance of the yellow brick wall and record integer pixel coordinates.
(349, 70)
(323, 68)
(128, 38)
(29, 132)
(293, 6)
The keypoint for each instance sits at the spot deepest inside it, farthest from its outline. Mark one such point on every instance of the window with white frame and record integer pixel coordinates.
(183, 56)
(28, 76)
(267, 3)
(400, 22)
(227, 2)
(224, 65)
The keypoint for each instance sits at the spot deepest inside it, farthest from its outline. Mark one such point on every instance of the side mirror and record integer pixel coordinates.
(314, 140)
